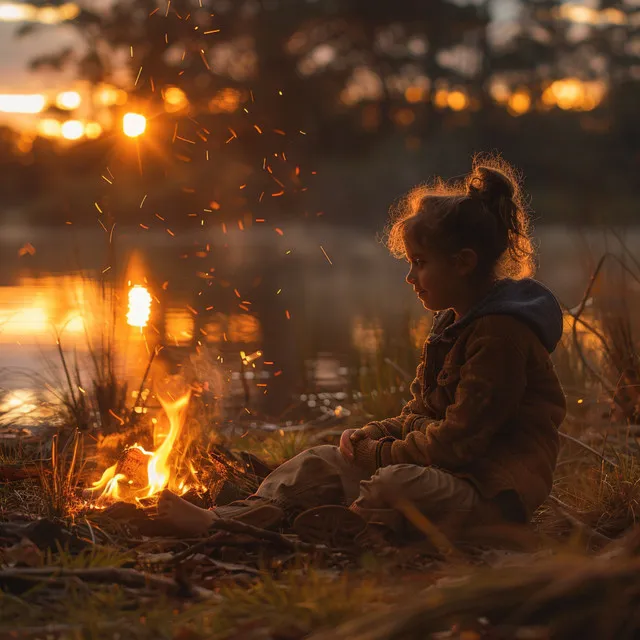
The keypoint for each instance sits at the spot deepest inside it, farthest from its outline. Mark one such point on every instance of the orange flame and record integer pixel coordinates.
(166, 467)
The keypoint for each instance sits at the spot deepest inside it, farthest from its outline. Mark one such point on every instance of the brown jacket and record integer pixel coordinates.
(486, 406)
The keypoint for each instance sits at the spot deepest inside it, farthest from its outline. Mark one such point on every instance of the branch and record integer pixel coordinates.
(59, 630)
(126, 577)
(233, 526)
(607, 385)
(588, 448)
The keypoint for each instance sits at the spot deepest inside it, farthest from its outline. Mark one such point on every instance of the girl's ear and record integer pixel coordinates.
(465, 261)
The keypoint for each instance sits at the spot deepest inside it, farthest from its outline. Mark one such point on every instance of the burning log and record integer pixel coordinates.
(140, 474)
(133, 466)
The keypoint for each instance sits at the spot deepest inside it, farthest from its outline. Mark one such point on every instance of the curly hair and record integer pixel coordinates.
(486, 212)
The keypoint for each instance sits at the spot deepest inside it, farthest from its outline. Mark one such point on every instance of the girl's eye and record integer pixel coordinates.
(417, 262)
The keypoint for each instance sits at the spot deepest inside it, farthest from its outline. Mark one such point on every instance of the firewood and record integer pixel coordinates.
(233, 526)
(133, 465)
(15, 473)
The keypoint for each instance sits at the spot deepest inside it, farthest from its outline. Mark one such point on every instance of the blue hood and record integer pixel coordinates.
(526, 299)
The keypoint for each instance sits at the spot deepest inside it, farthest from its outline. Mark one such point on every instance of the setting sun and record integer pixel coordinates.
(133, 124)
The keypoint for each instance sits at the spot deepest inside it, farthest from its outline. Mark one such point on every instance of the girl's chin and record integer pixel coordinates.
(429, 306)
(425, 302)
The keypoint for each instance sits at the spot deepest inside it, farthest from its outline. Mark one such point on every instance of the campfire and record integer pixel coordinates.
(140, 474)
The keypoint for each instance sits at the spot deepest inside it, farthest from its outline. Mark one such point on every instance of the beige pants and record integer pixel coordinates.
(322, 476)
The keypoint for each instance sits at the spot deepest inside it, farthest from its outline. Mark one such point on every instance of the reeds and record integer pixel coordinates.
(60, 477)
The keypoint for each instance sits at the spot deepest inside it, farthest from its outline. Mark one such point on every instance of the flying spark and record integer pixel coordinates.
(326, 256)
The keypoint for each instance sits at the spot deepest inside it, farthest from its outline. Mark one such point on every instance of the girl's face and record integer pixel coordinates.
(441, 280)
(433, 279)
(445, 281)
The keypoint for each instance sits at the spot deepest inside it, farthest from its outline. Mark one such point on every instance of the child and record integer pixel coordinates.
(478, 442)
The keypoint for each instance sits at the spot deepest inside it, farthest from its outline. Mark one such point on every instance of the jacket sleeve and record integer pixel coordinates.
(491, 385)
(413, 415)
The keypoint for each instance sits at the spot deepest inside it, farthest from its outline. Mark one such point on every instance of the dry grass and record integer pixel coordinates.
(60, 477)
(289, 608)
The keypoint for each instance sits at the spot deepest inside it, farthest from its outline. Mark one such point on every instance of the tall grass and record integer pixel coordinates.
(601, 340)
(59, 480)
(384, 364)
(89, 384)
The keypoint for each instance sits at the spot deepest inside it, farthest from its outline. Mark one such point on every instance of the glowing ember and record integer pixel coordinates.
(140, 474)
(139, 306)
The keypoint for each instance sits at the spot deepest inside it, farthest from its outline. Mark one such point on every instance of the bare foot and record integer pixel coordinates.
(187, 519)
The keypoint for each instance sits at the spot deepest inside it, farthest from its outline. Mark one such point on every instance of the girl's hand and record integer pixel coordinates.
(348, 439)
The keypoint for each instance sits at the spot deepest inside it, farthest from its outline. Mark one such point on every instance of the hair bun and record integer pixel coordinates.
(489, 185)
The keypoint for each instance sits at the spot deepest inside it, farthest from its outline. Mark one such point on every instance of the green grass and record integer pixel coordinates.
(278, 447)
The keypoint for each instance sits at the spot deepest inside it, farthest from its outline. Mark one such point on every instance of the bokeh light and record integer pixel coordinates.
(49, 14)
(68, 100)
(226, 101)
(441, 99)
(457, 100)
(108, 95)
(574, 94)
(72, 130)
(19, 103)
(175, 99)
(93, 130)
(50, 128)
(519, 102)
(414, 94)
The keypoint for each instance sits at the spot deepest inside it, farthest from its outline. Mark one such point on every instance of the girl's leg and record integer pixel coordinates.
(318, 476)
(447, 501)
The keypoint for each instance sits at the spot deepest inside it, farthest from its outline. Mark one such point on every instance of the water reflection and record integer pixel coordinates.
(353, 308)
(39, 309)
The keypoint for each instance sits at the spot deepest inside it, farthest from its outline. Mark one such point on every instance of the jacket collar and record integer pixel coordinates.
(446, 328)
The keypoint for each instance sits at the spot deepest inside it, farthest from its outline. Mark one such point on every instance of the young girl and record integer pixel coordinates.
(478, 442)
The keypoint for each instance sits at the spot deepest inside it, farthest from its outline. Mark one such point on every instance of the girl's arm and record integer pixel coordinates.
(413, 415)
(492, 382)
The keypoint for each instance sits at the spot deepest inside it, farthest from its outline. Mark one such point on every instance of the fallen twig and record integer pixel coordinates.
(233, 526)
(51, 631)
(126, 577)
(566, 512)
(588, 448)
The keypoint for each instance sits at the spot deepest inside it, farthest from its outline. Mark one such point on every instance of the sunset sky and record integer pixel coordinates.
(15, 54)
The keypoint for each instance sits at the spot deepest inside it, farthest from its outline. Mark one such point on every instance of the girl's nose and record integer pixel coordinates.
(410, 277)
